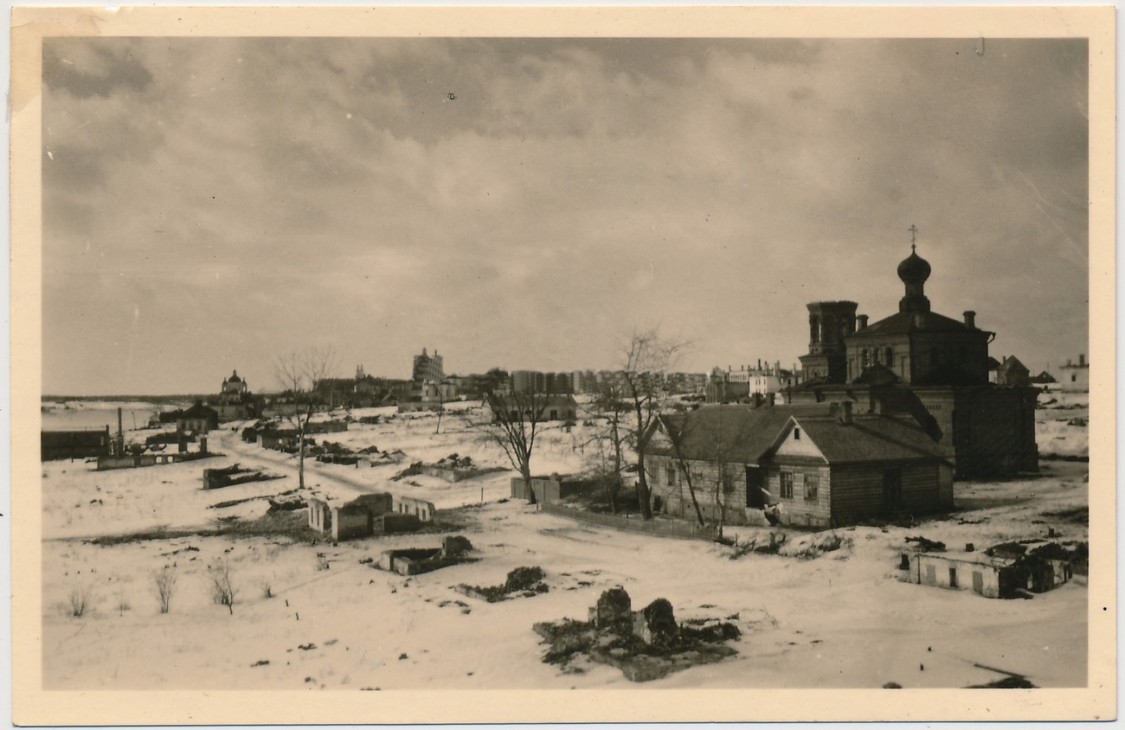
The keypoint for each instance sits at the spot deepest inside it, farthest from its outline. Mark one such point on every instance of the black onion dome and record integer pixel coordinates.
(914, 269)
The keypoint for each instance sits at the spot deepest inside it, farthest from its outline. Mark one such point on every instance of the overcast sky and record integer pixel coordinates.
(211, 204)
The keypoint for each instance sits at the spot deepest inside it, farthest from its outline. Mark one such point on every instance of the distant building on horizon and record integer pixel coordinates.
(427, 367)
(1075, 377)
(235, 402)
(748, 381)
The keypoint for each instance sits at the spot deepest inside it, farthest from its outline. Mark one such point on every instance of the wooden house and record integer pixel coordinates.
(199, 419)
(807, 465)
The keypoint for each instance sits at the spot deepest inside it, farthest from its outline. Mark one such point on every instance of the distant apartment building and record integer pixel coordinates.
(685, 383)
(428, 367)
(542, 407)
(534, 381)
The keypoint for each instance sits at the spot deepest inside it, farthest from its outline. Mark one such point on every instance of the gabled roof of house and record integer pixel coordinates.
(1044, 377)
(902, 323)
(738, 433)
(868, 438)
(1013, 363)
(199, 411)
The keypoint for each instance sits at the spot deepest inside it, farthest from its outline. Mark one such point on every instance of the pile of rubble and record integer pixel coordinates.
(522, 582)
(645, 645)
(232, 475)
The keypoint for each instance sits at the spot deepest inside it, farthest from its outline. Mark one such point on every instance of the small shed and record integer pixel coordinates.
(350, 520)
(976, 572)
(1000, 571)
(553, 488)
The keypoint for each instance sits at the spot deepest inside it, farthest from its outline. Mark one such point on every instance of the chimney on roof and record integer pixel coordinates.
(971, 319)
(1082, 360)
(846, 412)
(861, 322)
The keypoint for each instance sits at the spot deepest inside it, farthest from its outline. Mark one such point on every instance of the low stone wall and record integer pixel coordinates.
(137, 462)
(663, 528)
(447, 473)
(326, 427)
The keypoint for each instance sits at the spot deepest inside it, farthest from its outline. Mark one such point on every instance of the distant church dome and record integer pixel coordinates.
(914, 269)
(235, 379)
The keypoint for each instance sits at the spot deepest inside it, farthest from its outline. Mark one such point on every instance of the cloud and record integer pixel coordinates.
(262, 192)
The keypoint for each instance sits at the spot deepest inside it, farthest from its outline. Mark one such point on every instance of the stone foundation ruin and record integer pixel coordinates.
(645, 645)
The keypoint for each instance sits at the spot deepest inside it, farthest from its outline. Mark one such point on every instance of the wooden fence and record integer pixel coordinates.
(660, 527)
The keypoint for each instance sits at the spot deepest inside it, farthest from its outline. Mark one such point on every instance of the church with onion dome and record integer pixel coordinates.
(926, 365)
(235, 402)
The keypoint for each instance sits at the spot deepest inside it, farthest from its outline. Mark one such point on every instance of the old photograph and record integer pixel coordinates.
(402, 362)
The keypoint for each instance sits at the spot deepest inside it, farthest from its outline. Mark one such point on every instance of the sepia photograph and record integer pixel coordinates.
(417, 358)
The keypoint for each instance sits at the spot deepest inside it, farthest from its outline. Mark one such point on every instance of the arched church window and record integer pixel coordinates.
(813, 323)
(889, 357)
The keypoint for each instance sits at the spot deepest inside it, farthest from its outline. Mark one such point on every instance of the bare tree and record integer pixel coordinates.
(647, 357)
(299, 373)
(514, 422)
(609, 406)
(222, 589)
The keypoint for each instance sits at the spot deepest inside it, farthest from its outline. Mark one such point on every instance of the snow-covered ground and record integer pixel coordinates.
(840, 620)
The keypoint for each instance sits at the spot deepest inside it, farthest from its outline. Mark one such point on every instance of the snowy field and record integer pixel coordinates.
(839, 620)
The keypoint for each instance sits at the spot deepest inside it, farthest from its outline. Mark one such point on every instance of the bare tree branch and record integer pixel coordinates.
(514, 422)
(299, 373)
(647, 358)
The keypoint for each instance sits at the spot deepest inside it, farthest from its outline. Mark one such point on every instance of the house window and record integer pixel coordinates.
(890, 356)
(812, 481)
(796, 434)
(1073, 378)
(787, 485)
(670, 475)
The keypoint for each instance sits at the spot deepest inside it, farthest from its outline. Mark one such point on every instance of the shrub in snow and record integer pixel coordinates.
(79, 601)
(164, 581)
(122, 603)
(222, 590)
